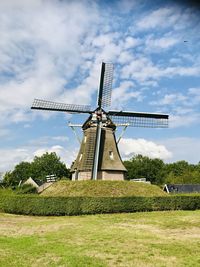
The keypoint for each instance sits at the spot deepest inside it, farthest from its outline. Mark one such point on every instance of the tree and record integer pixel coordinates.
(156, 171)
(21, 173)
(142, 166)
(179, 167)
(47, 164)
(8, 178)
(187, 177)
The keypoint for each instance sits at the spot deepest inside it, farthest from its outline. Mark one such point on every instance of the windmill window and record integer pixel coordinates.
(81, 155)
(85, 138)
(111, 155)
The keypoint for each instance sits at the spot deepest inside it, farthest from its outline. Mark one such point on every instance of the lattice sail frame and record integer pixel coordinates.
(140, 121)
(105, 89)
(54, 106)
(107, 85)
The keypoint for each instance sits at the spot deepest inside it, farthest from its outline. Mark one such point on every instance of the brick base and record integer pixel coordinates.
(102, 175)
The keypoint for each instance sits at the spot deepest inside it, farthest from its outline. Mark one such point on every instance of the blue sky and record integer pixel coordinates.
(53, 50)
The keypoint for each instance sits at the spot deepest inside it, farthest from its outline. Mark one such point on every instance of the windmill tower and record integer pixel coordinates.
(98, 157)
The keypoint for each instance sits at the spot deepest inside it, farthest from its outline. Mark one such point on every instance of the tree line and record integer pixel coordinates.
(154, 170)
(158, 172)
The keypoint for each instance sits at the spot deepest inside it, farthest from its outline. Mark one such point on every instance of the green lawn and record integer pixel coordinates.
(134, 239)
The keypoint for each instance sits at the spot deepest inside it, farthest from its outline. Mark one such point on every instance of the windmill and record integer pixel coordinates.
(98, 157)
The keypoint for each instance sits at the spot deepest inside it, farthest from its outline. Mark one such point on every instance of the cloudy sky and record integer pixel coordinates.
(53, 50)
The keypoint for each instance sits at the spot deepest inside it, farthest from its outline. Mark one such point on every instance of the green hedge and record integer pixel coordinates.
(37, 205)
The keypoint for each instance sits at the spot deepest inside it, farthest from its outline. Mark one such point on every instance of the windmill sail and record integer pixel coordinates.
(54, 106)
(105, 88)
(139, 119)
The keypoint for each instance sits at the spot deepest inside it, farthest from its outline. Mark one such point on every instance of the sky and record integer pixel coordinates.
(53, 50)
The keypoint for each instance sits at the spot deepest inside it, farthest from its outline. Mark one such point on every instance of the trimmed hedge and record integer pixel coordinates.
(46, 206)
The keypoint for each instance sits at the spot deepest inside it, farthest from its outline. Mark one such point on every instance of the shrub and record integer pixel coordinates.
(37, 205)
(26, 189)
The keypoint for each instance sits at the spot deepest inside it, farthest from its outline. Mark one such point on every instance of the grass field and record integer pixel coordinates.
(103, 189)
(134, 239)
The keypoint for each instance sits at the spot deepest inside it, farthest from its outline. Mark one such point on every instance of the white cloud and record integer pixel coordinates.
(103, 40)
(39, 58)
(162, 17)
(170, 99)
(149, 83)
(194, 91)
(125, 57)
(125, 92)
(143, 69)
(20, 3)
(84, 91)
(129, 147)
(154, 45)
(183, 108)
(131, 42)
(109, 52)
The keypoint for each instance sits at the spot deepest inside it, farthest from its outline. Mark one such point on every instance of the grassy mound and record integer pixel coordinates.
(102, 189)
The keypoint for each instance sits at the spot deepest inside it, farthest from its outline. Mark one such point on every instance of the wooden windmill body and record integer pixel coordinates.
(110, 166)
(98, 157)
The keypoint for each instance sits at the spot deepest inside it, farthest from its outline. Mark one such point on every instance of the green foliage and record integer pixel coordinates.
(179, 167)
(21, 172)
(181, 172)
(156, 171)
(26, 189)
(35, 205)
(48, 163)
(8, 179)
(6, 191)
(186, 177)
(140, 166)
